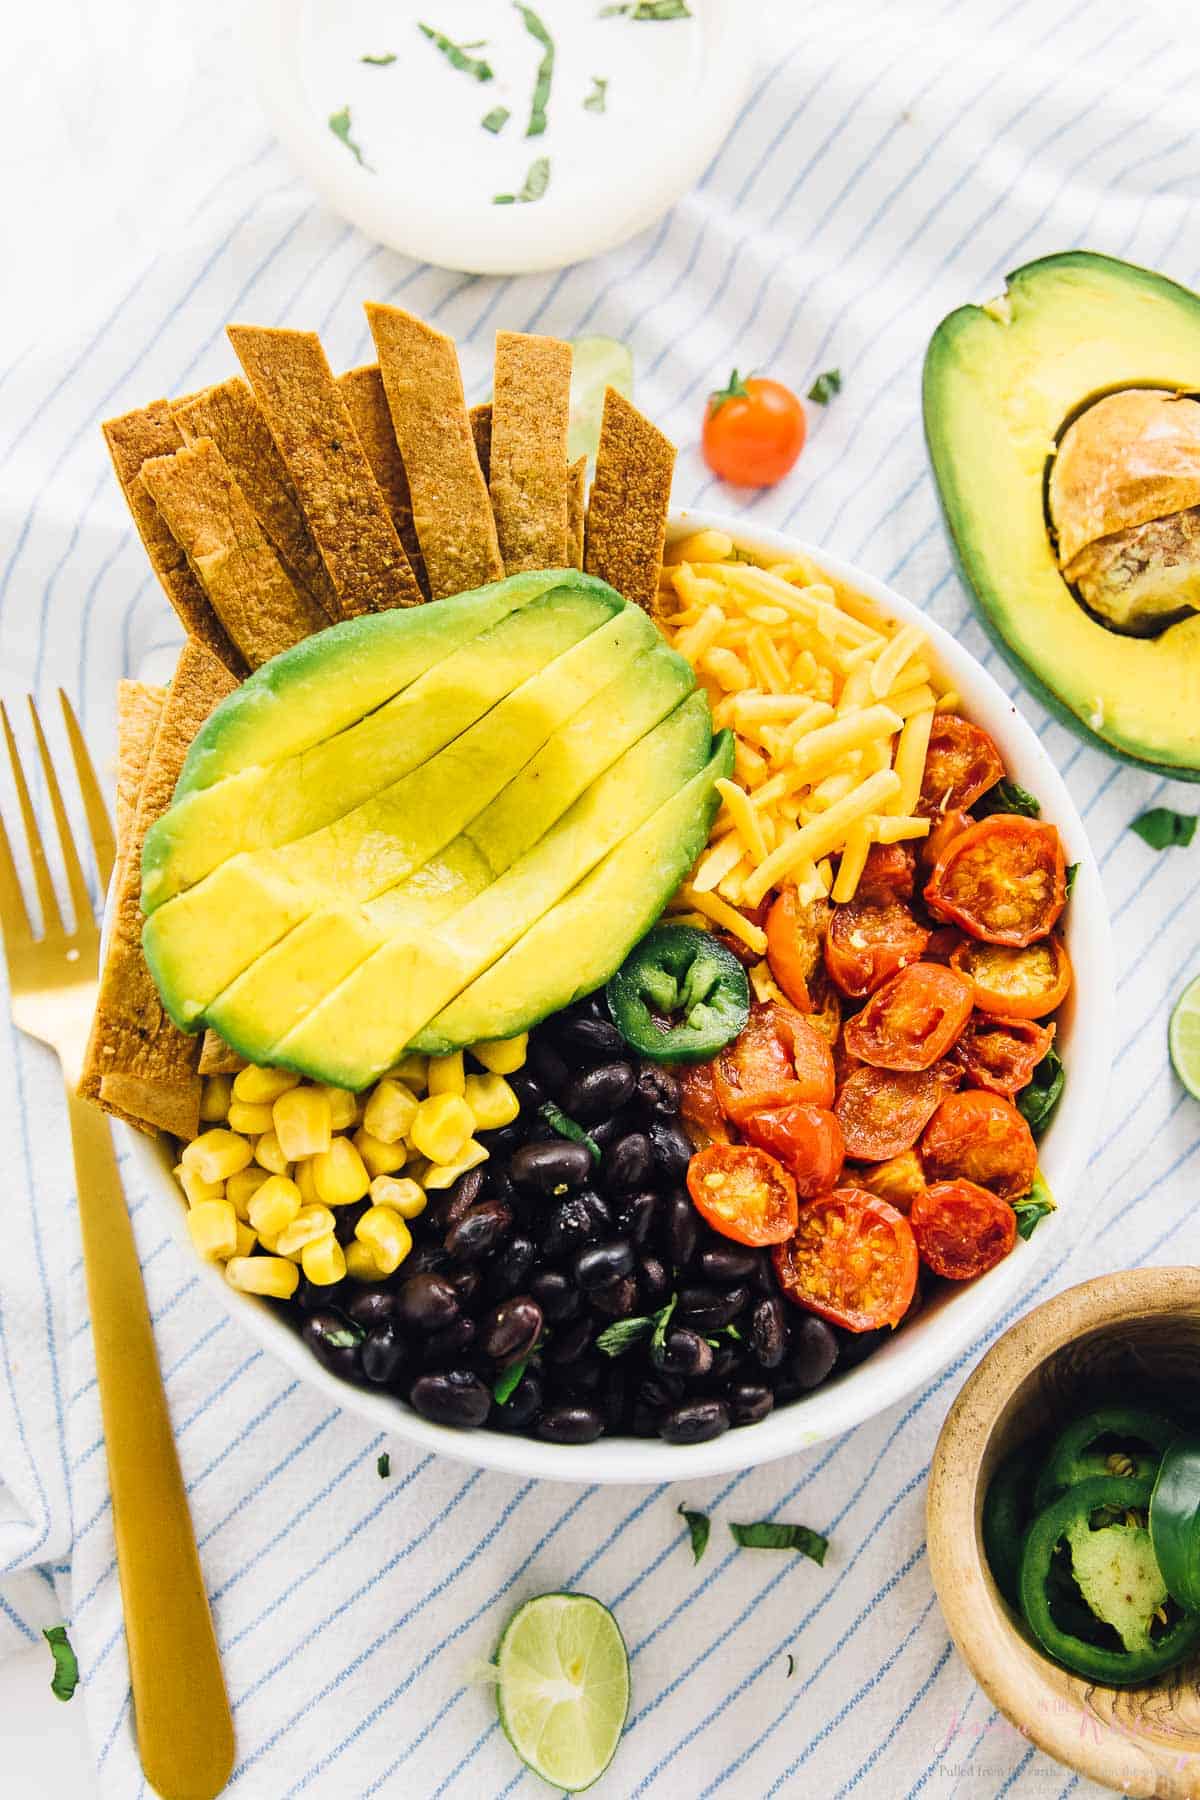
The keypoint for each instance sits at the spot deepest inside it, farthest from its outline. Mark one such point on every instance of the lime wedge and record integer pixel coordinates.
(563, 1691)
(598, 363)
(1183, 1037)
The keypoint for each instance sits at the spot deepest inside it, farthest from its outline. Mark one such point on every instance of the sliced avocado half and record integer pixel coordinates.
(1002, 383)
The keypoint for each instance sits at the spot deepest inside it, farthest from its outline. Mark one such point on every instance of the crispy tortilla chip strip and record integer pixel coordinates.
(219, 1058)
(312, 428)
(138, 1064)
(576, 512)
(366, 402)
(481, 431)
(629, 503)
(451, 509)
(152, 431)
(528, 477)
(139, 707)
(229, 415)
(229, 552)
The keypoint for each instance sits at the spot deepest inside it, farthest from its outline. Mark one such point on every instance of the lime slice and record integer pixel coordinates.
(563, 1691)
(1183, 1037)
(599, 363)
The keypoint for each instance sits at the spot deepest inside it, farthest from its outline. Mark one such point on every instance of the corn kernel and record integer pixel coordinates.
(216, 1155)
(387, 1235)
(444, 1175)
(274, 1206)
(309, 1224)
(446, 1073)
(339, 1174)
(503, 1056)
(247, 1237)
(380, 1158)
(269, 1275)
(302, 1122)
(302, 1175)
(390, 1111)
(412, 1069)
(268, 1154)
(343, 1107)
(250, 1119)
(361, 1264)
(441, 1126)
(261, 1087)
(324, 1262)
(492, 1101)
(196, 1189)
(242, 1186)
(214, 1099)
(213, 1228)
(403, 1196)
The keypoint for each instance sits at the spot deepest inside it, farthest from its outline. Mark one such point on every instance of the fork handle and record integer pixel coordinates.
(184, 1726)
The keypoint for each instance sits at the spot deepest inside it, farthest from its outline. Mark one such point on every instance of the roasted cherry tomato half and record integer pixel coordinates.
(961, 763)
(945, 827)
(1001, 1054)
(699, 1105)
(889, 873)
(753, 431)
(912, 1020)
(779, 1058)
(826, 1015)
(962, 1230)
(898, 1180)
(1003, 880)
(980, 1137)
(795, 933)
(743, 1193)
(1016, 984)
(853, 1259)
(807, 1140)
(883, 1114)
(868, 941)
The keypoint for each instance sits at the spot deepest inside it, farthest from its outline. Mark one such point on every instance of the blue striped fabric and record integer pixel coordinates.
(890, 162)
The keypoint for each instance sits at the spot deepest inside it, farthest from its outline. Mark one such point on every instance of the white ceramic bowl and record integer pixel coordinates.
(944, 1329)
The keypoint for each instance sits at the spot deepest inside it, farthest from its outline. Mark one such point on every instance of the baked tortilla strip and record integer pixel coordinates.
(576, 512)
(366, 402)
(629, 503)
(451, 509)
(528, 472)
(131, 439)
(139, 707)
(481, 431)
(231, 557)
(346, 512)
(229, 415)
(138, 1064)
(219, 1058)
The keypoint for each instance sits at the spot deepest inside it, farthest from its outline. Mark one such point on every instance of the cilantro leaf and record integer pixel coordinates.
(558, 1121)
(1072, 872)
(496, 120)
(545, 74)
(647, 9)
(456, 54)
(1009, 797)
(536, 183)
(699, 1525)
(65, 1679)
(662, 1319)
(1037, 1102)
(623, 1334)
(768, 1534)
(1163, 828)
(339, 124)
(597, 100)
(825, 387)
(379, 62)
(383, 1465)
(1033, 1207)
(508, 1381)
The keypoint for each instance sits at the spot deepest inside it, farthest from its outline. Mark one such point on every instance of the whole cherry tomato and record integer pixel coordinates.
(913, 1019)
(883, 1114)
(1003, 880)
(743, 1193)
(853, 1260)
(898, 1180)
(807, 1140)
(980, 1137)
(961, 763)
(795, 931)
(753, 431)
(699, 1105)
(778, 1058)
(1001, 1054)
(961, 1229)
(867, 941)
(1016, 984)
(889, 873)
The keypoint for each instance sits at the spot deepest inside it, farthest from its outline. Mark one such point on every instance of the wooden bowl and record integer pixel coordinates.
(1124, 1333)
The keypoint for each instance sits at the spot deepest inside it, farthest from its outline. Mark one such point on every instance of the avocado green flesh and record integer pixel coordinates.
(999, 383)
(364, 1024)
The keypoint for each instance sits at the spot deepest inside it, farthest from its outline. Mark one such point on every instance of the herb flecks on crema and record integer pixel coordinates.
(339, 124)
(827, 384)
(379, 62)
(545, 75)
(456, 54)
(496, 120)
(597, 100)
(699, 1526)
(1164, 829)
(536, 183)
(647, 9)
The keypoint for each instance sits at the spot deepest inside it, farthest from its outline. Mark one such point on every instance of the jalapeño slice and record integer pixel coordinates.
(679, 996)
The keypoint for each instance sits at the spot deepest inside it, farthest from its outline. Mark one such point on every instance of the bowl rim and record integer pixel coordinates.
(913, 1358)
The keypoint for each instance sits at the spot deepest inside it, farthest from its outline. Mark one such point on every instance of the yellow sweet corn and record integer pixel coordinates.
(403, 1196)
(302, 1175)
(249, 1117)
(503, 1056)
(216, 1155)
(361, 1264)
(246, 1239)
(441, 1126)
(492, 1101)
(213, 1229)
(242, 1186)
(303, 1122)
(389, 1113)
(324, 1262)
(343, 1107)
(446, 1073)
(339, 1174)
(270, 1275)
(261, 1087)
(444, 1175)
(412, 1069)
(196, 1188)
(214, 1099)
(380, 1158)
(268, 1154)
(309, 1224)
(274, 1206)
(388, 1237)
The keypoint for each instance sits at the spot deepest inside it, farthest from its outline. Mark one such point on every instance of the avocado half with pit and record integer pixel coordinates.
(1065, 441)
(429, 828)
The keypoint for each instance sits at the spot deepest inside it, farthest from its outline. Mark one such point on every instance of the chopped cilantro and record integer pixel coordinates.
(536, 183)
(1163, 828)
(767, 1534)
(383, 1465)
(456, 54)
(65, 1679)
(597, 100)
(825, 387)
(699, 1525)
(339, 124)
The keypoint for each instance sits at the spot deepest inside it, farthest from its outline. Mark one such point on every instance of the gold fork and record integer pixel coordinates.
(184, 1727)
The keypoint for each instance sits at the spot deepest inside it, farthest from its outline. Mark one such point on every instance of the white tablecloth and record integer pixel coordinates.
(893, 160)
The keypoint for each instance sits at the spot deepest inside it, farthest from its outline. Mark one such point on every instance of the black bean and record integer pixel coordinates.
(628, 1163)
(372, 1306)
(315, 1298)
(598, 1264)
(451, 1397)
(683, 1352)
(590, 1038)
(569, 1225)
(695, 1422)
(657, 1089)
(614, 1397)
(570, 1425)
(522, 1406)
(482, 1229)
(509, 1268)
(579, 1380)
(528, 1089)
(466, 1284)
(572, 1342)
(548, 1067)
(461, 1195)
(346, 1220)
(555, 1294)
(635, 1216)
(616, 1299)
(599, 1091)
(726, 1359)
(854, 1347)
(509, 1332)
(427, 1303)
(763, 1280)
(814, 1351)
(749, 1401)
(551, 1165)
(447, 1345)
(382, 1353)
(672, 1147)
(726, 1264)
(598, 1209)
(425, 1258)
(654, 1280)
(681, 1228)
(326, 1333)
(768, 1331)
(708, 1309)
(500, 1144)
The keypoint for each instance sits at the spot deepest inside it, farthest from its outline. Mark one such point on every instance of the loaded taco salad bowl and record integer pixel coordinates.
(601, 992)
